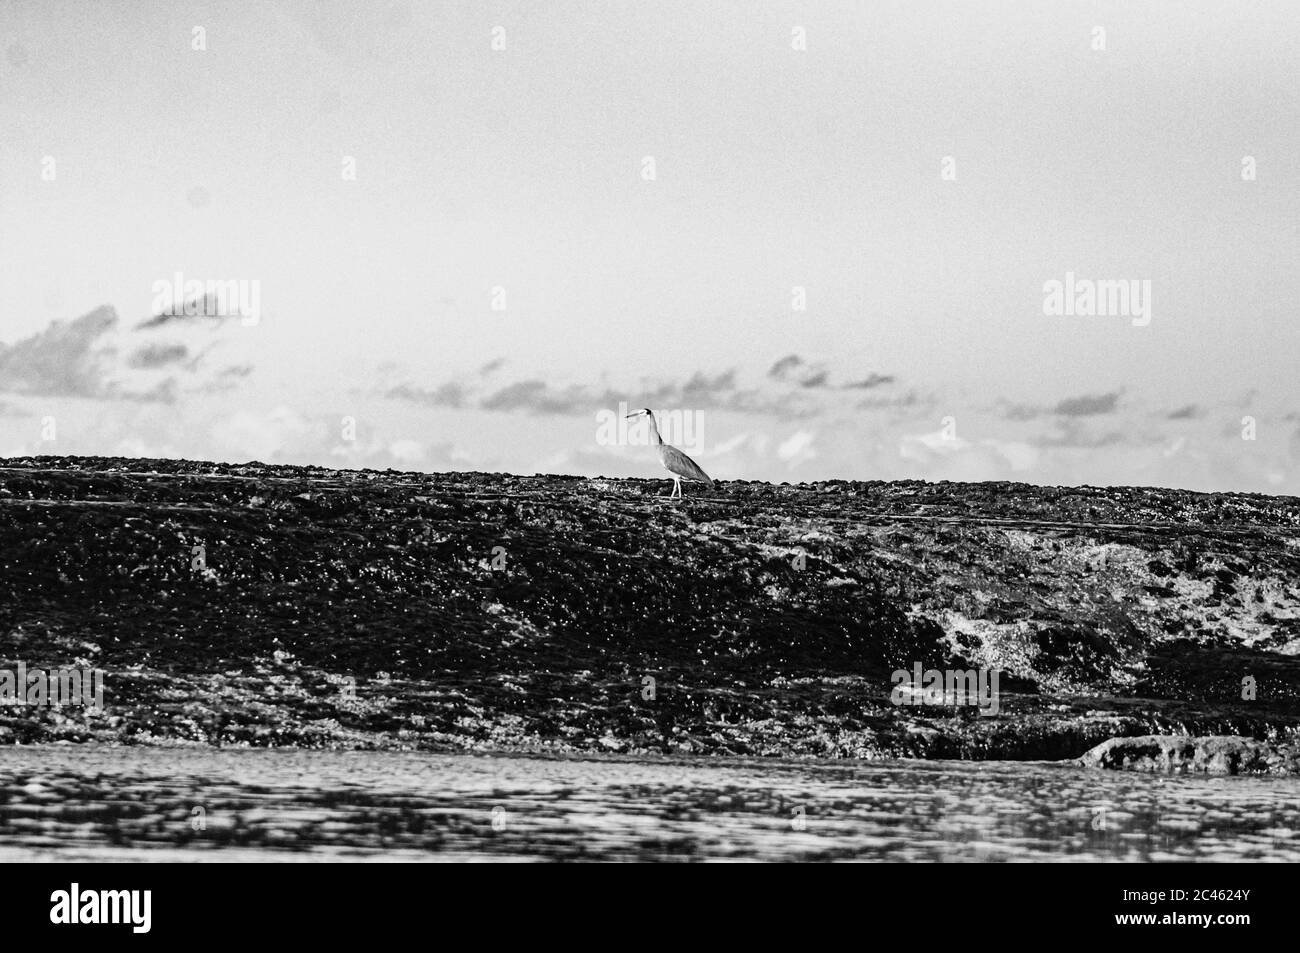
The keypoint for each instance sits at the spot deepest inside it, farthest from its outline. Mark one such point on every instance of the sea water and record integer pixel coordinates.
(63, 802)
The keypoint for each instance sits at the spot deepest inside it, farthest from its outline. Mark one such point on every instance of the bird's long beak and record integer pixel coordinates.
(630, 416)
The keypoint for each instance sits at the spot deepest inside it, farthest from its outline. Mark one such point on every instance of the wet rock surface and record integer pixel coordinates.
(1224, 754)
(306, 607)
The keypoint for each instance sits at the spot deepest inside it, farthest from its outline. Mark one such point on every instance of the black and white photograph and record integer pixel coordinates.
(637, 432)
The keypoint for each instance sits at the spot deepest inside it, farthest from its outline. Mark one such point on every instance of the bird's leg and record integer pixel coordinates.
(677, 487)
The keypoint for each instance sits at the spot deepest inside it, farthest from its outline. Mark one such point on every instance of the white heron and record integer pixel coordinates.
(675, 462)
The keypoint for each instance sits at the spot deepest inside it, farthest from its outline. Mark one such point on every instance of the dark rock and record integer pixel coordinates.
(367, 609)
(1184, 754)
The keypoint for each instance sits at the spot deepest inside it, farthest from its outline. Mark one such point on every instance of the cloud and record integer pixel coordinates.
(1189, 412)
(448, 395)
(871, 381)
(897, 402)
(1084, 406)
(798, 448)
(943, 455)
(1071, 433)
(164, 392)
(792, 369)
(702, 390)
(400, 454)
(158, 355)
(95, 357)
(722, 392)
(407, 451)
(756, 442)
(247, 435)
(220, 305)
(538, 397)
(1020, 411)
(784, 367)
(922, 446)
(797, 396)
(535, 396)
(1021, 456)
(1088, 405)
(226, 380)
(61, 361)
(717, 392)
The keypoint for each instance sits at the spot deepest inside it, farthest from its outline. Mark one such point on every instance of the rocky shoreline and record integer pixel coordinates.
(1184, 754)
(306, 607)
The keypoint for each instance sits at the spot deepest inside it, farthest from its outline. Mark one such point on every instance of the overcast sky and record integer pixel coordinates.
(920, 170)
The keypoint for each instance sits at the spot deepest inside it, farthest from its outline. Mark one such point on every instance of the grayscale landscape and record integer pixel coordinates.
(660, 430)
(629, 676)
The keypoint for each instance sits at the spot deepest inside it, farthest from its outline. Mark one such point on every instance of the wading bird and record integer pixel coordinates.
(675, 462)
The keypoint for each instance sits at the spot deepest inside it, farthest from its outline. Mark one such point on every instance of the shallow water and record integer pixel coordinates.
(112, 803)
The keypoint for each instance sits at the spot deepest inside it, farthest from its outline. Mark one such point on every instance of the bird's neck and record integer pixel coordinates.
(654, 429)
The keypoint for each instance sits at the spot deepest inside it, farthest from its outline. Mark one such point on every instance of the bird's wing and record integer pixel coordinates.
(679, 463)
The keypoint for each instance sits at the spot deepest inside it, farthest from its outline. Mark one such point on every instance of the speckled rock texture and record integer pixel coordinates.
(1184, 754)
(307, 607)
